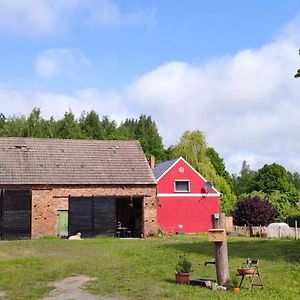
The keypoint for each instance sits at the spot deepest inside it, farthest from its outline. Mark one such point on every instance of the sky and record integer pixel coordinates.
(223, 67)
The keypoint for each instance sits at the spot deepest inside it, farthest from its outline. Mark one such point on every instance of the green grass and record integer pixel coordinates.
(144, 269)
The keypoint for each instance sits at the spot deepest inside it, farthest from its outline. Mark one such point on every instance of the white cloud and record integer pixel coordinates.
(107, 13)
(247, 104)
(46, 17)
(55, 104)
(53, 62)
(35, 17)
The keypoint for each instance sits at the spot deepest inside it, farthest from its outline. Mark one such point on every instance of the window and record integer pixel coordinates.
(182, 186)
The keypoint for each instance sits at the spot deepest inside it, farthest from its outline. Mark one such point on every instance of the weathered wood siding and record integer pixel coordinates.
(15, 214)
(92, 216)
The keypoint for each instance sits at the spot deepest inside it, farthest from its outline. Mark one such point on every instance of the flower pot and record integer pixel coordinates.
(236, 290)
(245, 271)
(182, 278)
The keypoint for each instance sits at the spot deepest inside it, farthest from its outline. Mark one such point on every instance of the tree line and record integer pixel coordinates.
(272, 183)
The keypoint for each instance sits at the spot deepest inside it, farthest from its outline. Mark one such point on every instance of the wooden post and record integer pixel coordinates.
(221, 252)
(279, 232)
(296, 230)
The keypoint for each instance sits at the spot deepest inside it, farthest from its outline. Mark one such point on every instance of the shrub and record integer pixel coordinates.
(183, 265)
(253, 212)
(292, 217)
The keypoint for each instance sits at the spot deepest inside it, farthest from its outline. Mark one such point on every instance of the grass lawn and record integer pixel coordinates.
(144, 269)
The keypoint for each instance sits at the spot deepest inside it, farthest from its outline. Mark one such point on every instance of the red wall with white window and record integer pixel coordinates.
(191, 209)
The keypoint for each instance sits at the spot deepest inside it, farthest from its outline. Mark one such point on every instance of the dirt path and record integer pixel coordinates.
(69, 289)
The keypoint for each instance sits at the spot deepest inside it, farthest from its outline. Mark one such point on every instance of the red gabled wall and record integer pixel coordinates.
(193, 209)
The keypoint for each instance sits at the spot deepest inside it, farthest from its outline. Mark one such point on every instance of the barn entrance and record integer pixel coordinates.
(129, 216)
(15, 214)
(92, 216)
(105, 215)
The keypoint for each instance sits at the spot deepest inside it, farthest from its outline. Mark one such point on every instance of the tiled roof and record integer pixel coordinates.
(57, 161)
(163, 167)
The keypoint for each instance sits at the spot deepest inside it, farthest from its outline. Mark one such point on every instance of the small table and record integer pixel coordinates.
(121, 231)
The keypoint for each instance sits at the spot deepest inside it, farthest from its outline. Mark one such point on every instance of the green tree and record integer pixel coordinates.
(108, 129)
(295, 179)
(241, 183)
(271, 178)
(218, 163)
(90, 125)
(192, 146)
(151, 141)
(2, 123)
(68, 128)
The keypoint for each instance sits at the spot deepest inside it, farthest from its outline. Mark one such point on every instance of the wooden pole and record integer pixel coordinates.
(221, 251)
(279, 229)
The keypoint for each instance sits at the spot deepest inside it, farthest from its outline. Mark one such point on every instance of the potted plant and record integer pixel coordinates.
(235, 285)
(183, 269)
(246, 270)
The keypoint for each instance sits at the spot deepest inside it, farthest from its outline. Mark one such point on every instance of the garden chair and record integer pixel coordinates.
(255, 276)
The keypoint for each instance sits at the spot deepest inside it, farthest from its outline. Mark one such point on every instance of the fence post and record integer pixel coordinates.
(279, 229)
(296, 230)
(260, 231)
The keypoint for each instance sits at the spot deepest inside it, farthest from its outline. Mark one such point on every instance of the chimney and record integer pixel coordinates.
(152, 161)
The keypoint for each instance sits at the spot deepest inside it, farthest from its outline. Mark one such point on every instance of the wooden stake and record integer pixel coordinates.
(221, 251)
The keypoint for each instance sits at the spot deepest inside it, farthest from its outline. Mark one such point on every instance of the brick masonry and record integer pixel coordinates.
(47, 200)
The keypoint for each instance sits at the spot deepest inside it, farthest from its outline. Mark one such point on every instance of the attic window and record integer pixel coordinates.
(182, 185)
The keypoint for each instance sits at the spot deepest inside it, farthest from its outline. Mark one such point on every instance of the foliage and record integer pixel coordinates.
(293, 215)
(192, 146)
(241, 183)
(183, 265)
(253, 212)
(280, 202)
(218, 163)
(294, 178)
(272, 183)
(271, 178)
(147, 134)
(88, 126)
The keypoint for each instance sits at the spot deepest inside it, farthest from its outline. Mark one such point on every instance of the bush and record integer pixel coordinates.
(183, 265)
(253, 212)
(292, 217)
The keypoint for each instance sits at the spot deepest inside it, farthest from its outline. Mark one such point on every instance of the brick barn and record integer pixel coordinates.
(54, 187)
(186, 200)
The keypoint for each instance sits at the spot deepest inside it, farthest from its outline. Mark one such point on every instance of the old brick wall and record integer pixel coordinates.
(47, 200)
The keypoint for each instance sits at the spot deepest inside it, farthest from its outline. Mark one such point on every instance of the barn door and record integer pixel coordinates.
(92, 216)
(104, 216)
(15, 214)
(62, 223)
(80, 216)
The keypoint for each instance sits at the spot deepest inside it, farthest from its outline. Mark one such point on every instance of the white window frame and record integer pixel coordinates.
(182, 180)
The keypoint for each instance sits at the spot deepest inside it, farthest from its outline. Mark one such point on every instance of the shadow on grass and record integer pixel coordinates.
(269, 250)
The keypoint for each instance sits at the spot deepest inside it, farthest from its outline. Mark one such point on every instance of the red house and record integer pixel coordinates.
(186, 199)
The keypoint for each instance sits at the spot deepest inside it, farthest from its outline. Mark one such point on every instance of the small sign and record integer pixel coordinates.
(216, 235)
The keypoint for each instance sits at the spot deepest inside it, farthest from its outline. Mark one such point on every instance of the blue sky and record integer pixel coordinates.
(224, 67)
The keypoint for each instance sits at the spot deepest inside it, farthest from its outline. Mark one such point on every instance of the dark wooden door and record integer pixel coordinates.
(80, 216)
(15, 214)
(104, 216)
(92, 216)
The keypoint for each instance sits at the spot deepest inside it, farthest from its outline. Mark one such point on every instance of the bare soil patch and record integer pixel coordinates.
(70, 289)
